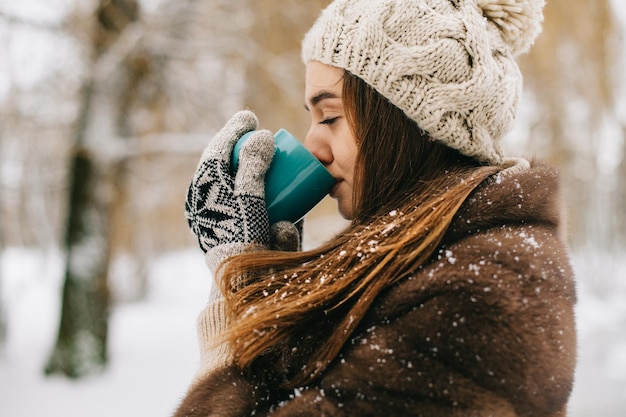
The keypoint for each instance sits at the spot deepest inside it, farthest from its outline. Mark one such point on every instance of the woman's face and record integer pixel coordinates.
(330, 138)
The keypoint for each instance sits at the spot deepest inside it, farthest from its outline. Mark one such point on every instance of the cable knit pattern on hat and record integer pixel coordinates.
(448, 64)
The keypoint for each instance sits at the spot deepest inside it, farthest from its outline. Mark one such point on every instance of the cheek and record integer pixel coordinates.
(349, 161)
(349, 153)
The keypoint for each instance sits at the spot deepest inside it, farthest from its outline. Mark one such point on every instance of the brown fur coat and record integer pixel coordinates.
(485, 329)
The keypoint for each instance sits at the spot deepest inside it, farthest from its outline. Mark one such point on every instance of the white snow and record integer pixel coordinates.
(600, 388)
(153, 350)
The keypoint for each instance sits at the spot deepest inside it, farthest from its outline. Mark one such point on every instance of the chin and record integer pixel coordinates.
(345, 210)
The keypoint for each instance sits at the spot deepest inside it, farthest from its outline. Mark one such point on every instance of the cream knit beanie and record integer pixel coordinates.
(448, 64)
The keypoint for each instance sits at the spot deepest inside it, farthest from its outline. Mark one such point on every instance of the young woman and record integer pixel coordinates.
(450, 294)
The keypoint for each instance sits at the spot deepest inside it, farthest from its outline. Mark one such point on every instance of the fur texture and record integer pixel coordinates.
(485, 329)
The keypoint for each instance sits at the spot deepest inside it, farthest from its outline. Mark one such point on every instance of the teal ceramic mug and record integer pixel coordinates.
(295, 181)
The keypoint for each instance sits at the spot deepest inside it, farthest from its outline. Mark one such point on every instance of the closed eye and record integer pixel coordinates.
(329, 121)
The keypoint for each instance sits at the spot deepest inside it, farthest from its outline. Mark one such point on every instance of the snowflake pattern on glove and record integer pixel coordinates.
(222, 208)
(216, 216)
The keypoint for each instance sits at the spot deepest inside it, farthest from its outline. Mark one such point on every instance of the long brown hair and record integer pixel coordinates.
(299, 309)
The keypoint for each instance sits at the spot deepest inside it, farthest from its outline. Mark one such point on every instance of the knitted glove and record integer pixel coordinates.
(227, 213)
(213, 321)
(228, 216)
(286, 236)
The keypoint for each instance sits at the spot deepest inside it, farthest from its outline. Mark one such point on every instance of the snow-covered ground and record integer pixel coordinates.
(153, 350)
(600, 389)
(153, 347)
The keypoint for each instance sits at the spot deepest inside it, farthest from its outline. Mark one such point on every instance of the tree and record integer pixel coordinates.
(146, 79)
(81, 343)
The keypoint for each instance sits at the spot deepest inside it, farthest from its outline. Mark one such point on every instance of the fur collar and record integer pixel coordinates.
(523, 196)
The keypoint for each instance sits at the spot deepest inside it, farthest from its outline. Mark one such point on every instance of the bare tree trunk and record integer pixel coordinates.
(81, 346)
(82, 339)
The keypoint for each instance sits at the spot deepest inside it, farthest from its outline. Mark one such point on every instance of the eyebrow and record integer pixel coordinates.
(323, 95)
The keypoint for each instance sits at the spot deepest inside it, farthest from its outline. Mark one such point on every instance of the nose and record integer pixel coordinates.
(318, 145)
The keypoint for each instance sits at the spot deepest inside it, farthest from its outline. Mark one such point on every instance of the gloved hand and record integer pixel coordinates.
(227, 211)
(227, 214)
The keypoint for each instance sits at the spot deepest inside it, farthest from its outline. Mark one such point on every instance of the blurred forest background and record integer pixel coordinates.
(106, 105)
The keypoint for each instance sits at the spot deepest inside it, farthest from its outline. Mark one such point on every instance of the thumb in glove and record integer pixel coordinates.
(286, 236)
